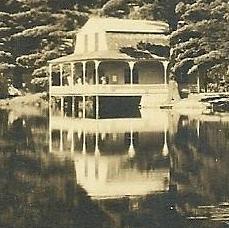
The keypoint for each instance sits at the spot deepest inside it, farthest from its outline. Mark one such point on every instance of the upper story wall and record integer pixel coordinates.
(100, 34)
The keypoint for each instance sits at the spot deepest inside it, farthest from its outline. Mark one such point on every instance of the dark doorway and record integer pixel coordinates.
(135, 76)
(127, 76)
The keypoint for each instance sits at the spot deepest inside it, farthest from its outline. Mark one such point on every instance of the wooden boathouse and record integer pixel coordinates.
(98, 68)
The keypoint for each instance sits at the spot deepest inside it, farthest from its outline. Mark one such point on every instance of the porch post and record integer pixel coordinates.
(50, 106)
(73, 106)
(131, 65)
(84, 107)
(97, 72)
(84, 72)
(50, 129)
(62, 106)
(97, 107)
(165, 66)
(198, 83)
(50, 77)
(61, 74)
(72, 74)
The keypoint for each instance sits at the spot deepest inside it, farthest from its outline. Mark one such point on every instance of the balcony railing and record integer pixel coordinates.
(113, 90)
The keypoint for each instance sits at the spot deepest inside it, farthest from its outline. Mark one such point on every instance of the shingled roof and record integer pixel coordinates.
(126, 25)
(120, 33)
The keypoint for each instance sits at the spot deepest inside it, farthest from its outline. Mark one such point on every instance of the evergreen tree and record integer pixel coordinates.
(35, 31)
(7, 28)
(47, 32)
(201, 42)
(146, 9)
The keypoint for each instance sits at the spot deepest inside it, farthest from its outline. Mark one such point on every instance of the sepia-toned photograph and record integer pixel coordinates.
(114, 113)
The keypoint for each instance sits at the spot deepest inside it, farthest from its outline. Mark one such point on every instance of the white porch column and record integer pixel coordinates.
(72, 74)
(97, 72)
(131, 65)
(165, 66)
(50, 107)
(50, 130)
(198, 83)
(73, 106)
(62, 106)
(84, 107)
(84, 72)
(50, 78)
(61, 74)
(97, 107)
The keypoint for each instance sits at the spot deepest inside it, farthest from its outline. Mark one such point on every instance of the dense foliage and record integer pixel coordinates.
(146, 50)
(200, 45)
(32, 32)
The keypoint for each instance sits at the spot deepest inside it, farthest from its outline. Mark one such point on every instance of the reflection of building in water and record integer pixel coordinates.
(115, 157)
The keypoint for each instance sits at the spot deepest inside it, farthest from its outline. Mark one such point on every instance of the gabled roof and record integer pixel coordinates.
(126, 25)
(116, 25)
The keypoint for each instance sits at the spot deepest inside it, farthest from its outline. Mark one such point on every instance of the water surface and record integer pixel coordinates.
(156, 169)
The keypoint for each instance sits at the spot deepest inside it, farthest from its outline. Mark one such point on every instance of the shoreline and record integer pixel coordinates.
(37, 100)
(26, 105)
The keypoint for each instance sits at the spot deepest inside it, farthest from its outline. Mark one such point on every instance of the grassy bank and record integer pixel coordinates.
(38, 100)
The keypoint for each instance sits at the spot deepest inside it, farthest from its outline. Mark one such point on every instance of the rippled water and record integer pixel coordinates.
(158, 169)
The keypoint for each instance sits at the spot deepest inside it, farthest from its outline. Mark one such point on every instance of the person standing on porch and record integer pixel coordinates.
(103, 80)
(79, 81)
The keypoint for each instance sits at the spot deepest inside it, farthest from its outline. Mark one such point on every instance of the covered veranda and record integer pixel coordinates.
(106, 74)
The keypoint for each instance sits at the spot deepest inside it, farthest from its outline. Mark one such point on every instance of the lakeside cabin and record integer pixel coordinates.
(98, 68)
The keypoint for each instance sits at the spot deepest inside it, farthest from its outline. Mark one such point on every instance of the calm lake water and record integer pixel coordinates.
(156, 169)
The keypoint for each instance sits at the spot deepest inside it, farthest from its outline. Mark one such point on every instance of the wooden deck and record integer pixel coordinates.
(109, 90)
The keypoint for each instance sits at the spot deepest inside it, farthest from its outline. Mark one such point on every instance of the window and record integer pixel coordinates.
(96, 41)
(86, 43)
(114, 78)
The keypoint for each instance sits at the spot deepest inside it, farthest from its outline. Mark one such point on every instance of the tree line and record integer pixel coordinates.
(33, 32)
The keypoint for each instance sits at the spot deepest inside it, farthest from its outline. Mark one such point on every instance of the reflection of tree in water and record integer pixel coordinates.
(38, 190)
(151, 211)
(35, 193)
(200, 164)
